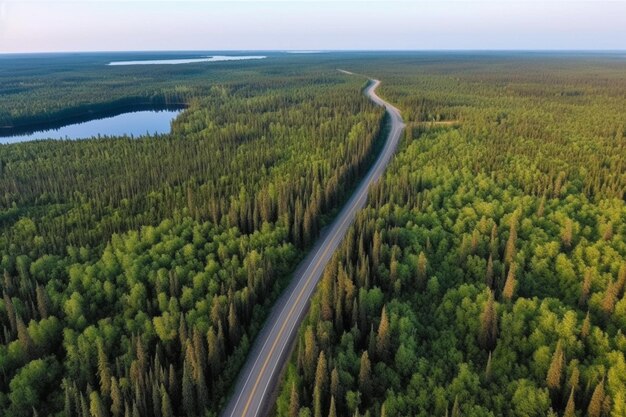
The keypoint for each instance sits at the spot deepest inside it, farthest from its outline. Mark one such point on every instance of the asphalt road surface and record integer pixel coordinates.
(258, 378)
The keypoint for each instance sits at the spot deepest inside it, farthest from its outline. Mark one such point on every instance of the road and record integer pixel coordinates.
(258, 378)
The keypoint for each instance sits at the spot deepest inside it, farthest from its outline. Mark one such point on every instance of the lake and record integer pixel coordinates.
(215, 58)
(135, 123)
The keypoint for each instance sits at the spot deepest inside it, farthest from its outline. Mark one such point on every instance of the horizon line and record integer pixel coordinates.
(317, 51)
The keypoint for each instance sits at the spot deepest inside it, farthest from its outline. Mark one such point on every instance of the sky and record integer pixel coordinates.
(118, 25)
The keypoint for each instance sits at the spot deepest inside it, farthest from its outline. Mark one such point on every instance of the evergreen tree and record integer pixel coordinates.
(294, 402)
(597, 399)
(383, 337)
(116, 398)
(365, 375)
(510, 284)
(570, 408)
(488, 324)
(555, 371)
(333, 410)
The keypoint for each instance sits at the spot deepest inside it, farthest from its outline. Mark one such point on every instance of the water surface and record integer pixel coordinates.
(215, 58)
(134, 123)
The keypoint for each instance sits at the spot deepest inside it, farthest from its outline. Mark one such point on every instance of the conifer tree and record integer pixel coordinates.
(116, 398)
(509, 253)
(383, 337)
(555, 371)
(365, 375)
(321, 374)
(103, 370)
(42, 302)
(96, 407)
(456, 408)
(488, 324)
(333, 410)
(586, 327)
(567, 234)
(166, 404)
(317, 402)
(570, 408)
(488, 369)
(510, 284)
(597, 399)
(188, 390)
(294, 402)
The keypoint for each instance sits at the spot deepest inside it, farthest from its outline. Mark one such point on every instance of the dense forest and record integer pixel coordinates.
(136, 271)
(486, 276)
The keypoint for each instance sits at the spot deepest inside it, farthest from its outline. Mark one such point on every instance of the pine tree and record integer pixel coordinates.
(156, 401)
(555, 371)
(10, 311)
(456, 408)
(42, 302)
(84, 407)
(542, 205)
(334, 383)
(383, 337)
(116, 398)
(365, 375)
(321, 373)
(103, 371)
(597, 400)
(166, 404)
(200, 353)
(488, 369)
(317, 402)
(173, 385)
(570, 408)
(510, 284)
(621, 280)
(609, 299)
(233, 326)
(24, 338)
(333, 410)
(213, 357)
(509, 252)
(376, 249)
(294, 402)
(310, 353)
(188, 394)
(96, 407)
(488, 325)
(586, 327)
(567, 234)
(574, 378)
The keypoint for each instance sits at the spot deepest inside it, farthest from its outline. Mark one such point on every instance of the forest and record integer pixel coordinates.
(136, 271)
(486, 276)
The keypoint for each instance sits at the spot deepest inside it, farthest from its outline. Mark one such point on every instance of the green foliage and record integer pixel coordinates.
(506, 206)
(138, 270)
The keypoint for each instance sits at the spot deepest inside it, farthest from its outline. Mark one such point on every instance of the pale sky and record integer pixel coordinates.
(114, 25)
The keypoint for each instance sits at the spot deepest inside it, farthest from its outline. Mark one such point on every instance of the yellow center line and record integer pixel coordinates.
(282, 328)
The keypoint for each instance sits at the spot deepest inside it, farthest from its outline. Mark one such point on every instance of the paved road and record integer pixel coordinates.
(259, 376)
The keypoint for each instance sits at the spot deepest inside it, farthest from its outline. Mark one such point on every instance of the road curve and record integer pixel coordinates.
(259, 376)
